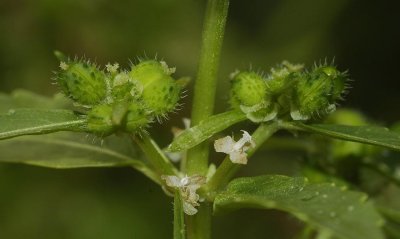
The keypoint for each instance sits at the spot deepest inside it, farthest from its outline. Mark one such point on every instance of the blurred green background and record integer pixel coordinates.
(362, 36)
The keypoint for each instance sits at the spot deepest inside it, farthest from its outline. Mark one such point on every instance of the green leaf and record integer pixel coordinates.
(26, 99)
(179, 217)
(64, 150)
(38, 121)
(60, 150)
(373, 135)
(205, 129)
(345, 214)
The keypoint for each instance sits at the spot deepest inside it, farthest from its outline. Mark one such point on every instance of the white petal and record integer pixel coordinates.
(186, 122)
(246, 138)
(224, 145)
(172, 181)
(238, 157)
(174, 156)
(185, 181)
(197, 179)
(189, 209)
(296, 115)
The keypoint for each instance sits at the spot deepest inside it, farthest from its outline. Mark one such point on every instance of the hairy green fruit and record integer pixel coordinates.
(160, 91)
(249, 94)
(282, 77)
(248, 89)
(100, 120)
(82, 82)
(124, 88)
(121, 116)
(316, 93)
(136, 118)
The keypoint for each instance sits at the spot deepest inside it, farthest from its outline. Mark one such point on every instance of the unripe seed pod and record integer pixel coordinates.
(249, 94)
(317, 92)
(282, 77)
(124, 88)
(248, 89)
(338, 81)
(136, 118)
(100, 120)
(160, 91)
(82, 82)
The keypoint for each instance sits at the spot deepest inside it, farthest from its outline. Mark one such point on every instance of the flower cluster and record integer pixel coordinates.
(187, 187)
(288, 91)
(120, 100)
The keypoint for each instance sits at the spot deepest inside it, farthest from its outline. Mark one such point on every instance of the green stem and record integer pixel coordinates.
(206, 83)
(200, 224)
(154, 154)
(179, 217)
(227, 169)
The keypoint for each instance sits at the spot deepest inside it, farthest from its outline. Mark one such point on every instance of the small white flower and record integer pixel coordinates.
(236, 150)
(121, 79)
(167, 70)
(112, 68)
(64, 66)
(187, 187)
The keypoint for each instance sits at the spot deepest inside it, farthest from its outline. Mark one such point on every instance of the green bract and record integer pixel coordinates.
(136, 118)
(316, 92)
(83, 82)
(282, 77)
(248, 89)
(124, 88)
(249, 94)
(100, 120)
(160, 91)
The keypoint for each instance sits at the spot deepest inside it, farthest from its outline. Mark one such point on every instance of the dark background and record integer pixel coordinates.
(362, 36)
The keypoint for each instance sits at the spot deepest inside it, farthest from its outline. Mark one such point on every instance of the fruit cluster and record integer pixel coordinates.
(118, 100)
(288, 92)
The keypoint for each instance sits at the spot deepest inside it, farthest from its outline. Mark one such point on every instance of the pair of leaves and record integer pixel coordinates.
(19, 122)
(373, 135)
(325, 207)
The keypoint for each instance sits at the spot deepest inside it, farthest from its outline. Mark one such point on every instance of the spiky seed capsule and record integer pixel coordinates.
(160, 91)
(108, 118)
(317, 92)
(338, 81)
(82, 82)
(100, 120)
(249, 94)
(248, 89)
(124, 88)
(282, 77)
(136, 118)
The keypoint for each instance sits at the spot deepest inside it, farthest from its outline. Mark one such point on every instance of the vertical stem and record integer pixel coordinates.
(203, 104)
(179, 217)
(200, 224)
(205, 86)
